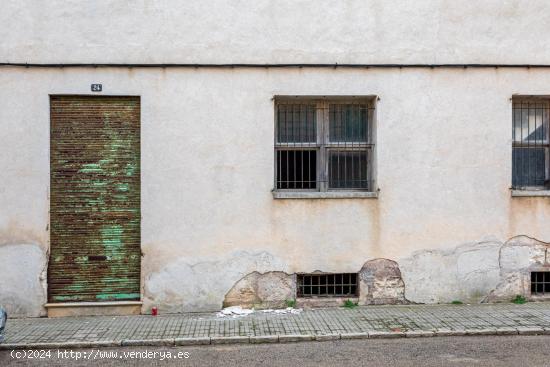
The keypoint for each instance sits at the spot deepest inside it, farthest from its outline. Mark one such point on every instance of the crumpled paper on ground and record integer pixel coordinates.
(238, 311)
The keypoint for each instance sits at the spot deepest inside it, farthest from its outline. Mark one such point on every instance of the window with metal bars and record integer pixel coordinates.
(540, 283)
(530, 144)
(324, 144)
(327, 285)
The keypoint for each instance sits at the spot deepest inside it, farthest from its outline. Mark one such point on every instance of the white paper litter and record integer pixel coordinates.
(234, 311)
(291, 310)
(238, 311)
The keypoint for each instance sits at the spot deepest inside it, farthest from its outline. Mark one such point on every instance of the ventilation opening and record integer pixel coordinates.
(327, 285)
(540, 283)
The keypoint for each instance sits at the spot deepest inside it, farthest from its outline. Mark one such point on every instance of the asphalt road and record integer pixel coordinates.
(484, 351)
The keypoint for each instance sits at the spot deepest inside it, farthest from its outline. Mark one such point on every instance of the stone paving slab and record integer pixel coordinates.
(260, 327)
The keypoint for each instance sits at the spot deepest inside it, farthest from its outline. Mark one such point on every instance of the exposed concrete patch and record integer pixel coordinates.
(517, 258)
(22, 279)
(380, 282)
(268, 290)
(466, 273)
(476, 272)
(183, 287)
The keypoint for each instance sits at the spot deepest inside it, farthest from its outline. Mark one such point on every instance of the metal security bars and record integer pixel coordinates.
(540, 283)
(327, 285)
(530, 151)
(324, 144)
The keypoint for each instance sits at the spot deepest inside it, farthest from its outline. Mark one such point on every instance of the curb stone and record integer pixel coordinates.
(295, 338)
(507, 331)
(364, 335)
(96, 344)
(449, 332)
(276, 338)
(60, 345)
(192, 341)
(528, 330)
(386, 334)
(419, 333)
(149, 342)
(492, 331)
(11, 346)
(327, 337)
(264, 339)
(229, 339)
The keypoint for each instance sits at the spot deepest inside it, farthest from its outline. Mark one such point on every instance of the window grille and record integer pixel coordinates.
(530, 151)
(540, 283)
(323, 144)
(327, 285)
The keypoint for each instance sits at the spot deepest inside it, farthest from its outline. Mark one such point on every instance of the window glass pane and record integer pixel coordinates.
(296, 169)
(529, 166)
(348, 122)
(530, 122)
(348, 170)
(296, 123)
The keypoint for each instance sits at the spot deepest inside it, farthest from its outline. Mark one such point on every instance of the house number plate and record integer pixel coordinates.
(97, 87)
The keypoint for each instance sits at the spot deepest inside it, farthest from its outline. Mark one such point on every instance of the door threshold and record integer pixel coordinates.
(111, 308)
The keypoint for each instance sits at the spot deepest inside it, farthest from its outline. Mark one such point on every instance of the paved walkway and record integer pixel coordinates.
(260, 327)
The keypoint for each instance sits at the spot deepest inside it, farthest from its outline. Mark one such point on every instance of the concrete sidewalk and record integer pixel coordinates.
(260, 327)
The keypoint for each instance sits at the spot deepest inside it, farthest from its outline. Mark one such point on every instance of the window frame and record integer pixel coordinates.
(528, 99)
(324, 146)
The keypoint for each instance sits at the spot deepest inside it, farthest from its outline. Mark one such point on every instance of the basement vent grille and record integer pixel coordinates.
(327, 285)
(540, 283)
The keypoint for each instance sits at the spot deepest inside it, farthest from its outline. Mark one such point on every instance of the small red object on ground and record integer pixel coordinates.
(154, 311)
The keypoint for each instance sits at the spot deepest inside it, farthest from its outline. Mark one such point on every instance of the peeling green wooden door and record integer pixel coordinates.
(94, 199)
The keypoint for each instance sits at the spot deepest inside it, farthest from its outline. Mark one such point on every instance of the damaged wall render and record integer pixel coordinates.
(479, 272)
(207, 212)
(207, 175)
(22, 279)
(211, 230)
(380, 282)
(23, 258)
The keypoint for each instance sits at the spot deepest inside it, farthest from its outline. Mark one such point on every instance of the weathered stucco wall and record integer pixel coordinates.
(271, 31)
(208, 217)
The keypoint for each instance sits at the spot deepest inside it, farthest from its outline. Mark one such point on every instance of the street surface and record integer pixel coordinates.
(516, 351)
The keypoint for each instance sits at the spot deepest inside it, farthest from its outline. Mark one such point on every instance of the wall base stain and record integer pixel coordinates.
(22, 279)
(380, 282)
(517, 258)
(15, 233)
(486, 271)
(489, 271)
(183, 287)
(466, 273)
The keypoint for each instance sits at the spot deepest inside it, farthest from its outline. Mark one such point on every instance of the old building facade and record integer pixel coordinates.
(191, 155)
